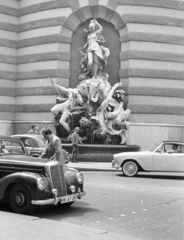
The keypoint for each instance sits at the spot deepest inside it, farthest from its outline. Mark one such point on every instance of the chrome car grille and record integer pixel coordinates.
(58, 179)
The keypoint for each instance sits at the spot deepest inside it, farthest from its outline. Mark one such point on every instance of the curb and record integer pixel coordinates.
(96, 169)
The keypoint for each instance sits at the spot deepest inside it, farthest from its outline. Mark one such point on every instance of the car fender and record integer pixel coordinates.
(135, 161)
(143, 159)
(122, 157)
(29, 180)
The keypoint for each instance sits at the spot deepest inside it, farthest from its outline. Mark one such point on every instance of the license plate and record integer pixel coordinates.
(68, 198)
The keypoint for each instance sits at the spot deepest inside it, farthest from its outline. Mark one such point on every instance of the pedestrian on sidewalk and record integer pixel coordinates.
(33, 130)
(53, 148)
(75, 138)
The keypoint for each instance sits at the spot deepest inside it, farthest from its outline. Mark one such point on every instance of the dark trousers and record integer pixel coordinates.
(75, 152)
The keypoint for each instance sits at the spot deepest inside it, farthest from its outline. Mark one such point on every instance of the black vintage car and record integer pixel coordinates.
(35, 145)
(27, 182)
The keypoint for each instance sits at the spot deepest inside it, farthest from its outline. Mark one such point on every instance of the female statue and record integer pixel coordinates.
(96, 55)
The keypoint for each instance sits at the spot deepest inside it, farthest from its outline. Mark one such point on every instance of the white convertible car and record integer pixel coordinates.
(167, 157)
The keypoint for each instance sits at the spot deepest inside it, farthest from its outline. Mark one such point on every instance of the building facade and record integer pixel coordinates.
(40, 38)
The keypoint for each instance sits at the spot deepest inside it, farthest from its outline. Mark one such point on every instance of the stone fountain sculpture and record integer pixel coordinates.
(94, 106)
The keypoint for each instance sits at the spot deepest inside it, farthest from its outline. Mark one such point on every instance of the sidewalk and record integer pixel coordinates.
(21, 227)
(93, 166)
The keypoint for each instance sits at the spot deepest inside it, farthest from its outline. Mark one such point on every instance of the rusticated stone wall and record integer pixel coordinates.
(8, 58)
(36, 41)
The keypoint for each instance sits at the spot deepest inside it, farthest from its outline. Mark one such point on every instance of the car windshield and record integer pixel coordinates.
(11, 147)
(158, 148)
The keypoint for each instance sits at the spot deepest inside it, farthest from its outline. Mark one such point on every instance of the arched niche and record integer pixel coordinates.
(111, 36)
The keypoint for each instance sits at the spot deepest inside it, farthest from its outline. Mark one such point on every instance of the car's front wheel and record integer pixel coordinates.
(20, 199)
(130, 168)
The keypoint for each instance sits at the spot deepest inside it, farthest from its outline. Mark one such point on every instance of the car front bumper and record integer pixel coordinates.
(115, 165)
(56, 199)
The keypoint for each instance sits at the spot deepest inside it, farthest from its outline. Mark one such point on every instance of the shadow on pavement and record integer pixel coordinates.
(57, 213)
(154, 176)
(4, 208)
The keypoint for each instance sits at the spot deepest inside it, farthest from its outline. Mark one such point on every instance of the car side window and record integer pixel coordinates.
(181, 149)
(3, 147)
(168, 148)
(27, 142)
(173, 148)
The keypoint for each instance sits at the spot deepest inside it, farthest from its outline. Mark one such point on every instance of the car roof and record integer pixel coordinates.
(29, 135)
(6, 137)
(173, 142)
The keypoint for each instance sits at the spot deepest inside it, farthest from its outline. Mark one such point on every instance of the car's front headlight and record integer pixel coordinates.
(80, 178)
(41, 184)
(72, 189)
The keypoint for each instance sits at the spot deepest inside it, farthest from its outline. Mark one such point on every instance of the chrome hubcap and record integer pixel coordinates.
(20, 199)
(130, 169)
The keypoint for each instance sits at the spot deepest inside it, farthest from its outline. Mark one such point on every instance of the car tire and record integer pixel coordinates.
(20, 199)
(36, 156)
(130, 168)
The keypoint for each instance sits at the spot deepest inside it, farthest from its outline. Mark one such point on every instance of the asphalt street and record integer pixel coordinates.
(146, 207)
